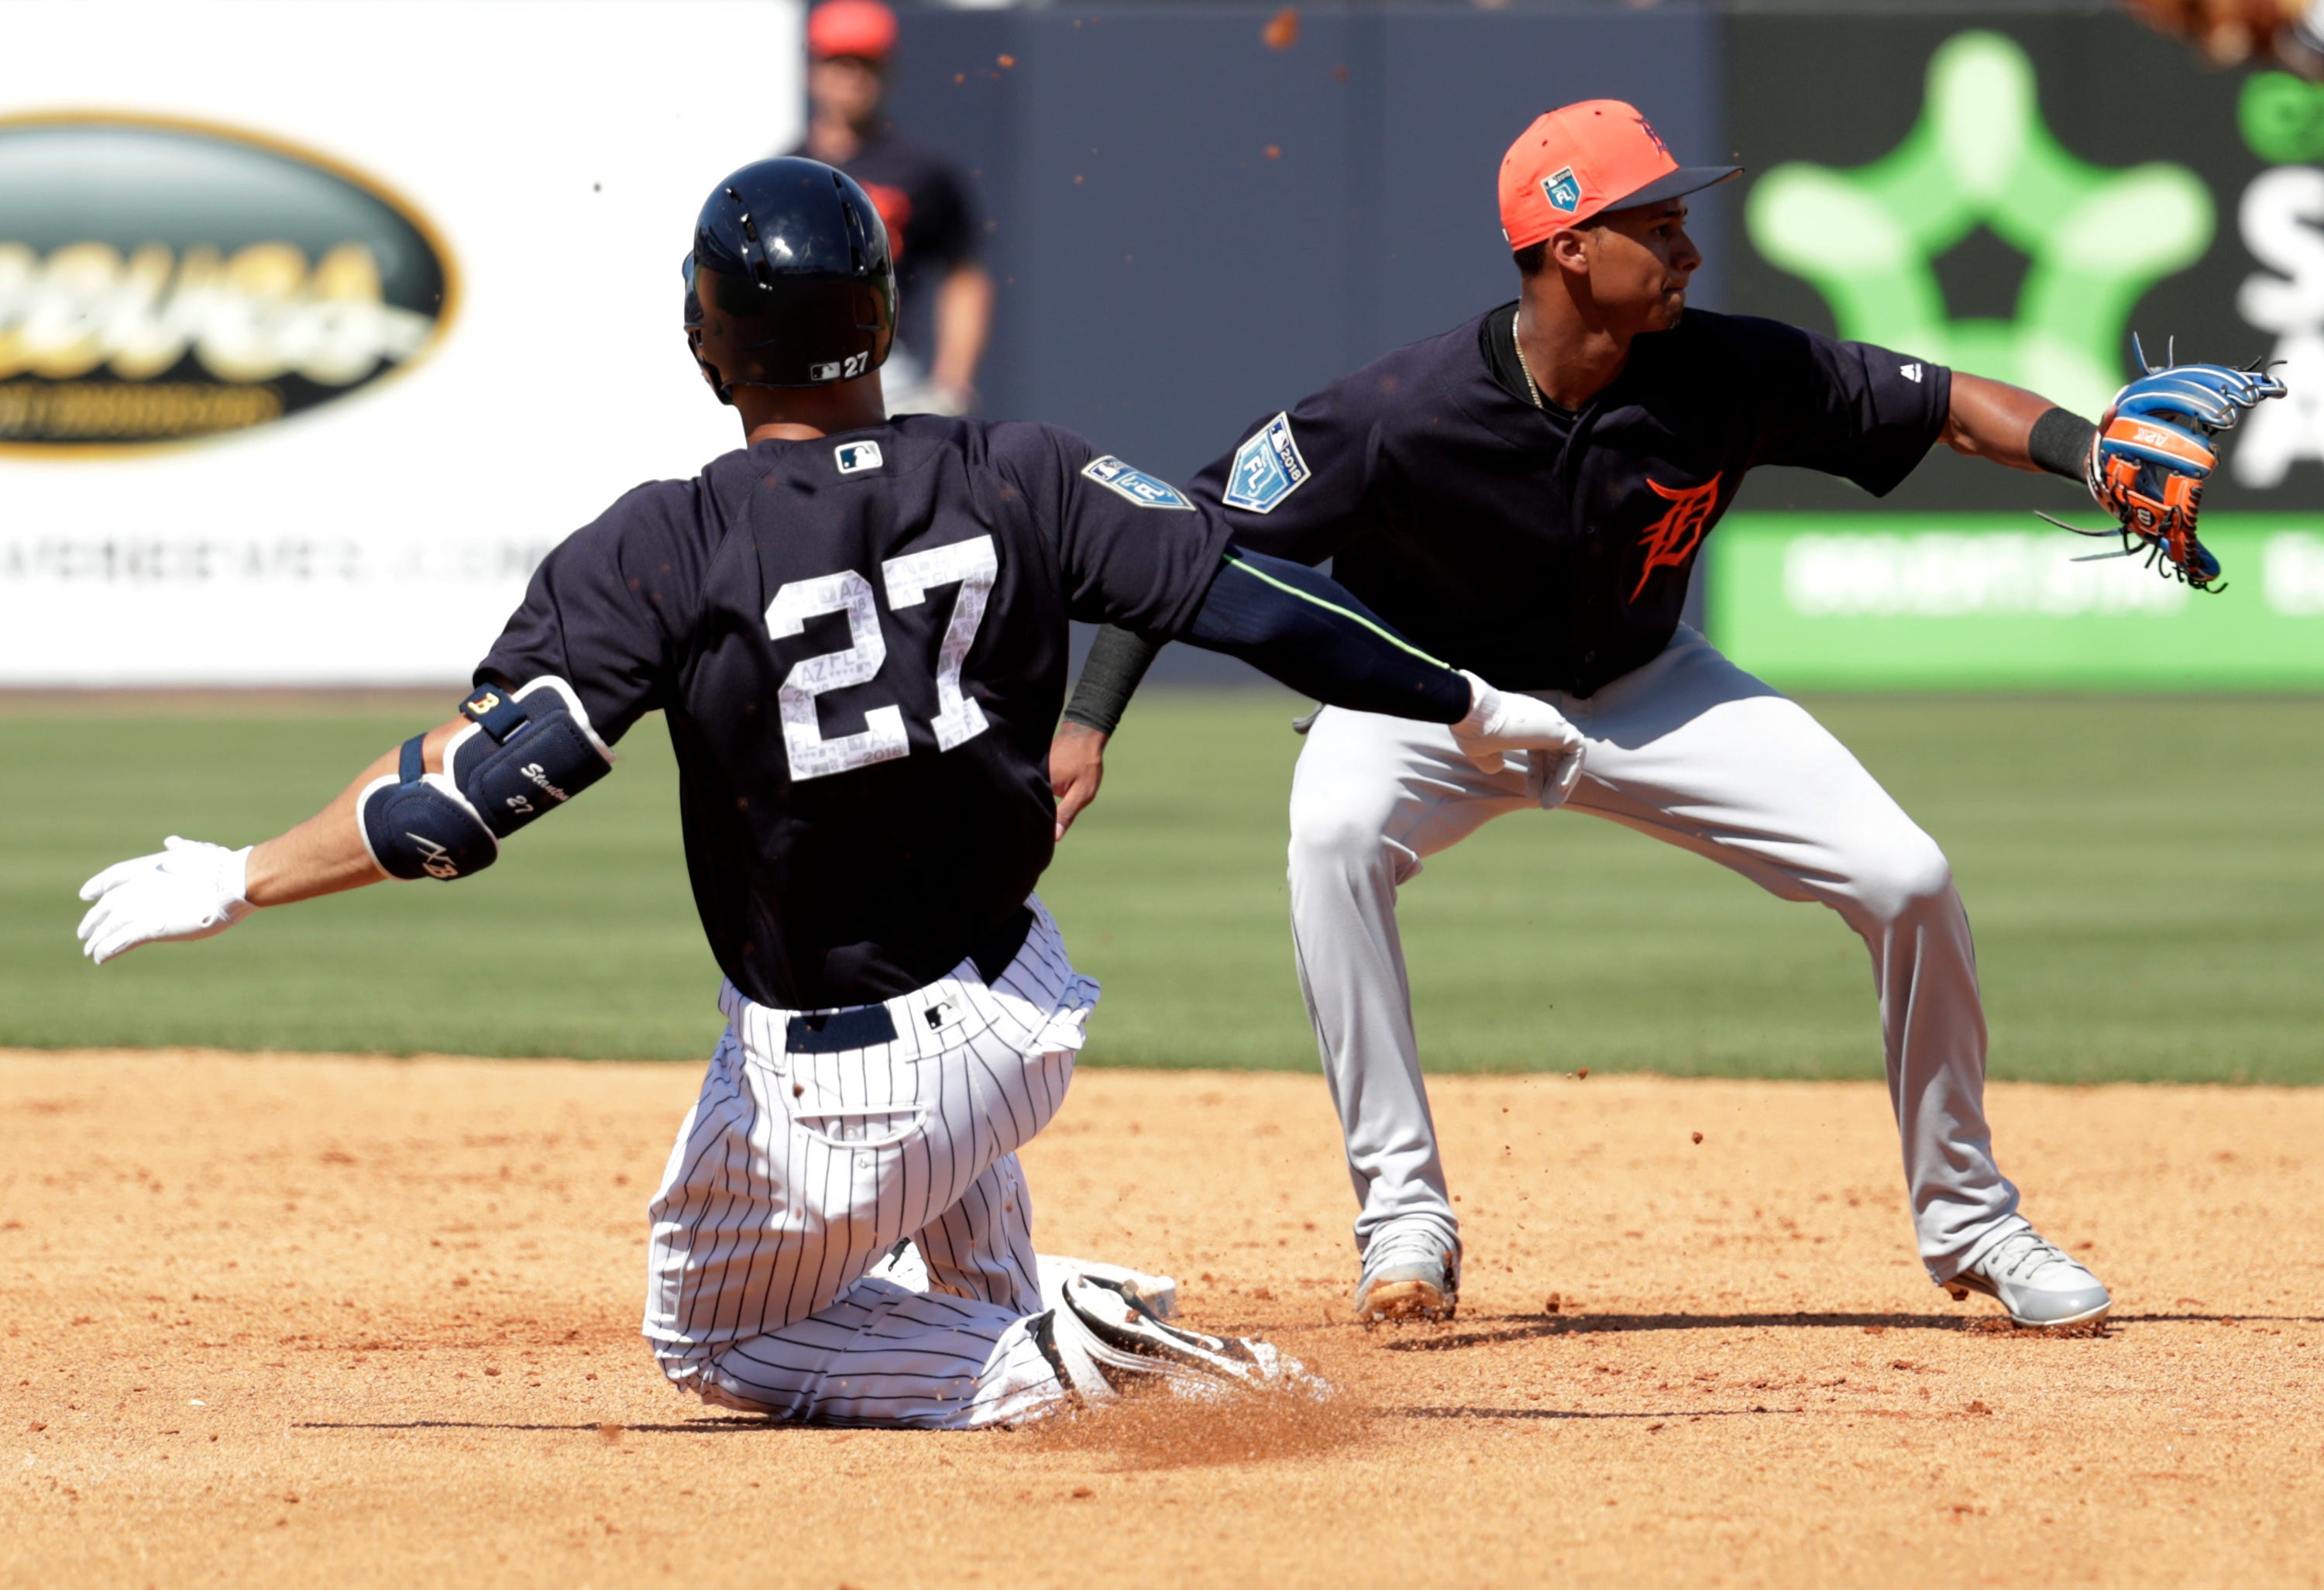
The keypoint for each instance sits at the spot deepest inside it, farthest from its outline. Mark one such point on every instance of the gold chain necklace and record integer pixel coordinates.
(1531, 390)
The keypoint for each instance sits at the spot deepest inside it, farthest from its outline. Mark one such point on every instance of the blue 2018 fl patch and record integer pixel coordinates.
(1139, 488)
(1268, 468)
(1564, 194)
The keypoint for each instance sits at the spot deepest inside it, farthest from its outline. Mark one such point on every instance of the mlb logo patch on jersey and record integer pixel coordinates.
(854, 457)
(1268, 468)
(1139, 488)
(1564, 194)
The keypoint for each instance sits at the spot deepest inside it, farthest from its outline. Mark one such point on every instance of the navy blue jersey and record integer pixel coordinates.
(859, 643)
(1549, 549)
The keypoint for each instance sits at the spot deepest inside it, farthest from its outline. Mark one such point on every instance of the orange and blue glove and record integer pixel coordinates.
(2154, 449)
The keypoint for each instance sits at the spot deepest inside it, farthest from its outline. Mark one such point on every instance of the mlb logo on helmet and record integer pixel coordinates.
(1564, 194)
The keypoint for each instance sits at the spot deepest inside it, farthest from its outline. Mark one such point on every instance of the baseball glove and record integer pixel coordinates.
(2153, 452)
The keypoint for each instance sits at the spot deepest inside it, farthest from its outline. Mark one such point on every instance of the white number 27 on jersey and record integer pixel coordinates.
(971, 565)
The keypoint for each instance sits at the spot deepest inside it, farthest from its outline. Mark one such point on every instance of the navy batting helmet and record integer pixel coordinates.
(791, 281)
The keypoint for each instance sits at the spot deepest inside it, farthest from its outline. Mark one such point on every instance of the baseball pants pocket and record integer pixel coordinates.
(841, 1102)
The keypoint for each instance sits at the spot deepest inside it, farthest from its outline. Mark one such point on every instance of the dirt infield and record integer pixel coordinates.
(314, 1320)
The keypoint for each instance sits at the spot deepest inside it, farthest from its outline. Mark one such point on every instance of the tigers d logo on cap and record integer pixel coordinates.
(1580, 159)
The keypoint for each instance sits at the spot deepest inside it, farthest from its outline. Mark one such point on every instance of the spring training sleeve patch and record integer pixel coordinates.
(1299, 484)
(1146, 490)
(1134, 550)
(1266, 470)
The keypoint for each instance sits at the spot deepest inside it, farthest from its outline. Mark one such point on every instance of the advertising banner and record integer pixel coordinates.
(2017, 197)
(321, 324)
(1980, 601)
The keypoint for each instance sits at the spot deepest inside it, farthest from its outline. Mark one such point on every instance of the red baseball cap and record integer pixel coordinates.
(862, 28)
(1580, 160)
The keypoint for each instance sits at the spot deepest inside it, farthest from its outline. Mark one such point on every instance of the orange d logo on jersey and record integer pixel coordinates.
(1671, 540)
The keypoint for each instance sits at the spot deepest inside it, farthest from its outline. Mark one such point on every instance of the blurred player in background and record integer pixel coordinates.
(2290, 33)
(924, 198)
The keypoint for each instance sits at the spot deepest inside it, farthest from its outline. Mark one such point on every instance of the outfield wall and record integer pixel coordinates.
(321, 438)
(420, 256)
(1968, 188)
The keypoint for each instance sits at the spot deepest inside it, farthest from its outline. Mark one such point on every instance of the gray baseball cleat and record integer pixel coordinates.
(2035, 1280)
(1106, 1339)
(1409, 1287)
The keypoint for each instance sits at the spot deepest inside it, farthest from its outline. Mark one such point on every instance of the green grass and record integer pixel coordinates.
(2145, 878)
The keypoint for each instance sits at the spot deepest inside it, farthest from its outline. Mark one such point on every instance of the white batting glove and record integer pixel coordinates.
(187, 891)
(1500, 722)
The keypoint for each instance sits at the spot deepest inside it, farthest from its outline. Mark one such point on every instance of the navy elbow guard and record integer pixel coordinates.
(524, 752)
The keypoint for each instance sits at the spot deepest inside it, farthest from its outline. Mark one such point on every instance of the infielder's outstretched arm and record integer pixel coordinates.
(1993, 419)
(2156, 433)
(2145, 462)
(1985, 419)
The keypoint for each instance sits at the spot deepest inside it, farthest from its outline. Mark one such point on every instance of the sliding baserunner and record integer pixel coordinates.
(855, 630)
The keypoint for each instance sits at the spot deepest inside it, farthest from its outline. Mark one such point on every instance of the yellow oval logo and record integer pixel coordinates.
(163, 281)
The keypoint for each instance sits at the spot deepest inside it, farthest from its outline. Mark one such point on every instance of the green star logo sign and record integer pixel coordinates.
(2095, 240)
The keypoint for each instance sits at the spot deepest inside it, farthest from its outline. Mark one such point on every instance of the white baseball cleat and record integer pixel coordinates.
(2039, 1285)
(1409, 1286)
(905, 1266)
(1159, 1293)
(1105, 1340)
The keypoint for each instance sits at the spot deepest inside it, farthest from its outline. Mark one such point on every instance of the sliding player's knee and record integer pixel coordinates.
(701, 1377)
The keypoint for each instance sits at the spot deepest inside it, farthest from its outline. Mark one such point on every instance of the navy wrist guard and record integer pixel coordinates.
(1118, 660)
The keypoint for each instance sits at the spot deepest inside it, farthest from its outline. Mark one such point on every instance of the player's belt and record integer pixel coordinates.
(862, 1026)
(830, 1033)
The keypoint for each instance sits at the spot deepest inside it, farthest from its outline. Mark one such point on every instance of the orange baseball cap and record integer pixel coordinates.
(861, 28)
(1580, 160)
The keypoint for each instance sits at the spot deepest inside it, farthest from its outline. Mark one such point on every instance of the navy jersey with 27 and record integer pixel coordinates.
(859, 643)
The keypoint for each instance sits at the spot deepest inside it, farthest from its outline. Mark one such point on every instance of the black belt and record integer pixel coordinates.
(866, 1025)
(860, 1028)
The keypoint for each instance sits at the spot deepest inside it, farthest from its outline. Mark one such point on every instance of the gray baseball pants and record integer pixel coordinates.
(1693, 751)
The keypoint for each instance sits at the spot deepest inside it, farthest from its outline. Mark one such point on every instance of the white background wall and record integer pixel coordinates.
(559, 150)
